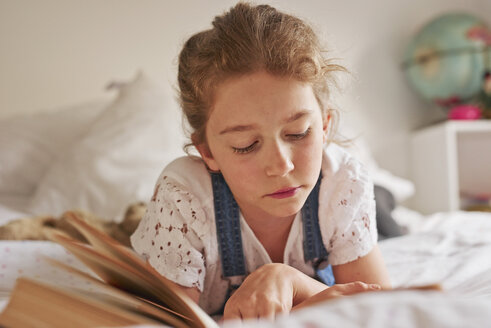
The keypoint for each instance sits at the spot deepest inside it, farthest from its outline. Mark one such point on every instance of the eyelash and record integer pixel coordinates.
(251, 147)
(246, 149)
(299, 136)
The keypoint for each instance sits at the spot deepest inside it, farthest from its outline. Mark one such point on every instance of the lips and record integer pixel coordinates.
(284, 192)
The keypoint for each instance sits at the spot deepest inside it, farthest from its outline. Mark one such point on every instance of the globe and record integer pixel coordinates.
(447, 59)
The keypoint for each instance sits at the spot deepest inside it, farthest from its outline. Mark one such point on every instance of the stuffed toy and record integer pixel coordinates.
(32, 228)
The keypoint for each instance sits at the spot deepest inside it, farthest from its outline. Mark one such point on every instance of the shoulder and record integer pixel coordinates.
(343, 174)
(186, 169)
(346, 206)
(337, 161)
(182, 197)
(184, 188)
(176, 232)
(190, 174)
(344, 179)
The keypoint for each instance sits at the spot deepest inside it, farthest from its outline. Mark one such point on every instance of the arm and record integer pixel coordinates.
(296, 290)
(369, 269)
(276, 289)
(367, 273)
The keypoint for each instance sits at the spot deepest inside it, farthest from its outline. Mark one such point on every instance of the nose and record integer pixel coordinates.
(278, 161)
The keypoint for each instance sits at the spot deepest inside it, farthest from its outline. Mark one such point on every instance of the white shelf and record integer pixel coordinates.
(467, 126)
(450, 159)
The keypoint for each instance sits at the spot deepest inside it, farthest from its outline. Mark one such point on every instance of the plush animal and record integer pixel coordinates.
(32, 228)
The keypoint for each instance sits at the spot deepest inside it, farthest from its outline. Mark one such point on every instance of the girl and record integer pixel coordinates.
(249, 227)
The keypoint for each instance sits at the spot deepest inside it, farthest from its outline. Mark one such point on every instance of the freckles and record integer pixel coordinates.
(309, 155)
(309, 163)
(242, 180)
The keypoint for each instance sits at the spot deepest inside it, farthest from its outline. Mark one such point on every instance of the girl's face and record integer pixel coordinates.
(266, 134)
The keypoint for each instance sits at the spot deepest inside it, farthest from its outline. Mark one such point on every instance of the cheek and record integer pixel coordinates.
(240, 172)
(308, 156)
(243, 180)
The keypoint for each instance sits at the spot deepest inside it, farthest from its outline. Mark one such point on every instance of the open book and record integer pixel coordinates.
(131, 291)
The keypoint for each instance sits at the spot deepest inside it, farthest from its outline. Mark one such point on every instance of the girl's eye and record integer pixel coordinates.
(299, 136)
(245, 150)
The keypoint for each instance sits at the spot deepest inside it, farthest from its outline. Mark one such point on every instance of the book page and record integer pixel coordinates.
(34, 304)
(129, 301)
(123, 269)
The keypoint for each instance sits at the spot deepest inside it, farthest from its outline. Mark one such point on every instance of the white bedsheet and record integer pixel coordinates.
(394, 309)
(453, 249)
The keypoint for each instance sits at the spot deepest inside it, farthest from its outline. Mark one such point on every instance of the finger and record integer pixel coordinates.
(350, 288)
(229, 316)
(336, 291)
(267, 312)
(359, 286)
(231, 313)
(249, 314)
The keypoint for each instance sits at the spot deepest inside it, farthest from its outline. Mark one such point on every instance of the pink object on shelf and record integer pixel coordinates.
(464, 112)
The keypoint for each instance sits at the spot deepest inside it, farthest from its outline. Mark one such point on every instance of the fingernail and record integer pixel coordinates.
(375, 286)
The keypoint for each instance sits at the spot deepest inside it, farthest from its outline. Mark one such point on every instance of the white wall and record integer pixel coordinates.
(59, 52)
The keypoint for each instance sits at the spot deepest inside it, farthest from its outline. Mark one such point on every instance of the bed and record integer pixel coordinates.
(106, 154)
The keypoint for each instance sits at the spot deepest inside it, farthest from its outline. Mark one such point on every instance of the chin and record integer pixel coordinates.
(286, 210)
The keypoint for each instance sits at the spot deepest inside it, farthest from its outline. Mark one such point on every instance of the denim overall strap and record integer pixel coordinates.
(227, 219)
(313, 246)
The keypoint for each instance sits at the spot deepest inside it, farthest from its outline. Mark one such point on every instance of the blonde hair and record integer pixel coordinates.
(244, 40)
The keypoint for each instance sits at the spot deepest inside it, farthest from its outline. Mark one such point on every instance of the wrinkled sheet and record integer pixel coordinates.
(453, 249)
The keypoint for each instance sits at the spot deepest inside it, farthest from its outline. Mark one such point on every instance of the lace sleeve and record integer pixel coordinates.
(170, 235)
(348, 221)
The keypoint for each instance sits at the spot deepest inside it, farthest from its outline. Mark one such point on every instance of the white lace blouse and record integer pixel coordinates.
(177, 235)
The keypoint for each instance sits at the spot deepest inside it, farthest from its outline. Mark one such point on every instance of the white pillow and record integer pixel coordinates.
(30, 143)
(120, 157)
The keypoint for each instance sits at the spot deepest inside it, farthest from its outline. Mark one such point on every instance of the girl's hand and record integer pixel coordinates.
(338, 291)
(266, 293)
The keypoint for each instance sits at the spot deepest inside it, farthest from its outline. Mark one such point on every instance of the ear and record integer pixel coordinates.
(326, 120)
(206, 155)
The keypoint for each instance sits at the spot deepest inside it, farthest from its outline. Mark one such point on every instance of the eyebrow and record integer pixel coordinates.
(240, 128)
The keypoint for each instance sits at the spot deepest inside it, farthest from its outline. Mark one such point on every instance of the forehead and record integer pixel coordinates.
(260, 98)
